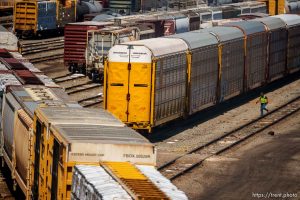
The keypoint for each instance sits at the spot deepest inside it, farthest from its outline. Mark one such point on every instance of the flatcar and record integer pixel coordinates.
(151, 82)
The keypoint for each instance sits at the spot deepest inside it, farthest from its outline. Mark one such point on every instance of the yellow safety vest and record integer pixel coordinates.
(263, 99)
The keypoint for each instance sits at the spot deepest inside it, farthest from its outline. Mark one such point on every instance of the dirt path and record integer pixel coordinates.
(267, 167)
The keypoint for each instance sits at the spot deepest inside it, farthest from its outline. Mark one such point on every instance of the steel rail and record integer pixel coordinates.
(283, 112)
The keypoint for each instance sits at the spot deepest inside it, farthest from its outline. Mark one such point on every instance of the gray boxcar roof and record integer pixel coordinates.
(289, 19)
(195, 39)
(224, 33)
(271, 22)
(76, 124)
(99, 134)
(28, 103)
(249, 27)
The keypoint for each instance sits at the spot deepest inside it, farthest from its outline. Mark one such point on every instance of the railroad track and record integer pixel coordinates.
(81, 87)
(42, 50)
(185, 163)
(91, 101)
(67, 78)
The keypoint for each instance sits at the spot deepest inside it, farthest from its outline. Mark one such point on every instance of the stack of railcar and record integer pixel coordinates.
(151, 82)
(41, 144)
(162, 23)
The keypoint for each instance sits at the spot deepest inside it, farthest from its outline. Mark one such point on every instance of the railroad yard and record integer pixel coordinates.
(155, 104)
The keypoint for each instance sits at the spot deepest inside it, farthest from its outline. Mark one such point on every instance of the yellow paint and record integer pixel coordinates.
(188, 85)
(117, 89)
(125, 170)
(272, 7)
(281, 7)
(152, 94)
(25, 16)
(128, 92)
(139, 90)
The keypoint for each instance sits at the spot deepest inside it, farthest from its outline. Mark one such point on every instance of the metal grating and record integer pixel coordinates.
(135, 181)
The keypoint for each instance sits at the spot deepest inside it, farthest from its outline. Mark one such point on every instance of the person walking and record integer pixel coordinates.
(263, 99)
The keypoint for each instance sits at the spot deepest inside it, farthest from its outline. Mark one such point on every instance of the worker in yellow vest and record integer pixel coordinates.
(263, 99)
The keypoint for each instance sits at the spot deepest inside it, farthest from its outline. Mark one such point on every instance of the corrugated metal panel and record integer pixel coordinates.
(256, 59)
(22, 134)
(98, 133)
(76, 39)
(93, 182)
(293, 54)
(232, 70)
(196, 40)
(170, 86)
(9, 109)
(249, 27)
(225, 33)
(204, 78)
(289, 19)
(277, 53)
(162, 46)
(271, 22)
(86, 116)
(162, 183)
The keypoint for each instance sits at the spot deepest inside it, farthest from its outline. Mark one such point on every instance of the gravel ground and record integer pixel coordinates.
(201, 131)
(266, 167)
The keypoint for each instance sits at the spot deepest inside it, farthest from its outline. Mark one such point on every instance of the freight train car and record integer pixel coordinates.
(76, 43)
(38, 17)
(41, 143)
(18, 108)
(90, 136)
(32, 17)
(277, 41)
(99, 42)
(151, 82)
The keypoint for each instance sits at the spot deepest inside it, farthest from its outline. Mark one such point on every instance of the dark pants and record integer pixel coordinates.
(263, 106)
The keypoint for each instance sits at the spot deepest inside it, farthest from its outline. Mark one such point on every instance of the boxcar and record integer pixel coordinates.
(293, 28)
(255, 52)
(277, 47)
(18, 109)
(76, 42)
(89, 137)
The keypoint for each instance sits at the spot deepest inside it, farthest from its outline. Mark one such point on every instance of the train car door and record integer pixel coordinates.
(54, 179)
(129, 83)
(35, 189)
